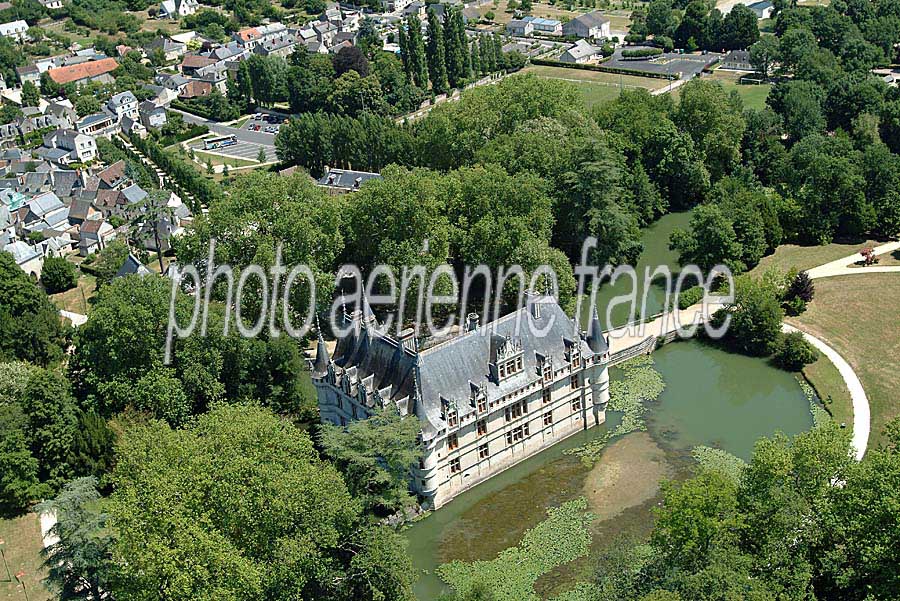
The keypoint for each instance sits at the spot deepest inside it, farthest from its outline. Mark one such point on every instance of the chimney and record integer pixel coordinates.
(408, 339)
(533, 303)
(471, 322)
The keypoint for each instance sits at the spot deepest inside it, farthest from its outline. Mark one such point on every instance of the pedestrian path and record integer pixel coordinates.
(842, 266)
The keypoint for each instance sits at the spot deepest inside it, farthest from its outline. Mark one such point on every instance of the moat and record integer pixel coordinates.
(711, 398)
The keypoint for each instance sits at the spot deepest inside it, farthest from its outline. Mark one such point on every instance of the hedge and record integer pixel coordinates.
(641, 52)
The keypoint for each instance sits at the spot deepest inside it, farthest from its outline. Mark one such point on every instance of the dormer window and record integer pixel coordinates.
(452, 418)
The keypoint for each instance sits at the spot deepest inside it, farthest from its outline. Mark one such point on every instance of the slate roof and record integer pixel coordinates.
(591, 19)
(346, 179)
(113, 175)
(132, 266)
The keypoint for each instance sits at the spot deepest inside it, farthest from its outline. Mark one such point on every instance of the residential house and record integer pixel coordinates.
(51, 4)
(124, 104)
(590, 26)
(132, 266)
(113, 177)
(762, 9)
(29, 73)
(192, 62)
(196, 89)
(546, 26)
(15, 30)
(281, 45)
(97, 124)
(171, 49)
(81, 147)
(175, 9)
(391, 6)
(94, 235)
(581, 52)
(95, 70)
(44, 213)
(132, 126)
(520, 27)
(152, 116)
(28, 257)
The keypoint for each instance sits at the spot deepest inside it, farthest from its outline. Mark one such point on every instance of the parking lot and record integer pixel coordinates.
(263, 123)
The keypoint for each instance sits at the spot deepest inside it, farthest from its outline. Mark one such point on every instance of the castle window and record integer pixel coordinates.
(524, 404)
(453, 442)
(517, 434)
(353, 410)
(514, 411)
(573, 382)
(452, 418)
(482, 405)
(545, 394)
(548, 418)
(518, 364)
(454, 466)
(482, 427)
(483, 451)
(548, 373)
(576, 405)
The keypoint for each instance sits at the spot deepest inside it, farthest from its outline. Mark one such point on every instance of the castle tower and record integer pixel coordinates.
(599, 346)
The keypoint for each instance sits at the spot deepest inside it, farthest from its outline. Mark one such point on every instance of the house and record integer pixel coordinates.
(485, 399)
(81, 210)
(44, 213)
(81, 147)
(281, 46)
(15, 30)
(191, 63)
(519, 27)
(171, 49)
(63, 113)
(545, 26)
(763, 9)
(175, 9)
(113, 177)
(51, 4)
(123, 104)
(94, 235)
(97, 124)
(196, 89)
(737, 60)
(29, 73)
(95, 70)
(132, 126)
(27, 257)
(344, 180)
(152, 116)
(247, 37)
(390, 6)
(581, 52)
(590, 26)
(132, 266)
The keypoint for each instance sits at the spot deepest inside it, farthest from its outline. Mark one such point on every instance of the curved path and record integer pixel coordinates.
(861, 417)
(842, 266)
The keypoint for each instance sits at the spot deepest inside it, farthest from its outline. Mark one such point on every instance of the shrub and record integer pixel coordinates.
(794, 306)
(639, 53)
(664, 42)
(801, 287)
(794, 352)
(690, 297)
(634, 38)
(58, 275)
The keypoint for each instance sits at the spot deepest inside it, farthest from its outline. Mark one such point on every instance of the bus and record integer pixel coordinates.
(220, 142)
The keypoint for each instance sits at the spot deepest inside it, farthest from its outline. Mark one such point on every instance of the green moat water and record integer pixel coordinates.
(711, 398)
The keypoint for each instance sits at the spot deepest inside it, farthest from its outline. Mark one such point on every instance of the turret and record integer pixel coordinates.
(599, 346)
(320, 365)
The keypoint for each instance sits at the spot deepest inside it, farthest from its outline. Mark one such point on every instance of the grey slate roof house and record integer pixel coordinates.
(592, 25)
(344, 180)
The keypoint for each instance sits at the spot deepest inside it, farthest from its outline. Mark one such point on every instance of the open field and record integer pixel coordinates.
(807, 257)
(77, 299)
(596, 87)
(754, 96)
(858, 316)
(22, 538)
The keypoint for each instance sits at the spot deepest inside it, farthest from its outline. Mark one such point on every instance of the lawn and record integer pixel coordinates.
(22, 548)
(807, 257)
(596, 87)
(218, 159)
(858, 316)
(77, 300)
(753, 95)
(828, 383)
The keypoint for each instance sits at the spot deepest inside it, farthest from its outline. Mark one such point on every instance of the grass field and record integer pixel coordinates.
(22, 548)
(222, 160)
(828, 383)
(754, 96)
(77, 299)
(858, 316)
(807, 257)
(596, 87)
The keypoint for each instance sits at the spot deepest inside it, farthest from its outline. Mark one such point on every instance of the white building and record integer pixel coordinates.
(591, 26)
(486, 398)
(175, 9)
(17, 30)
(124, 104)
(581, 52)
(81, 147)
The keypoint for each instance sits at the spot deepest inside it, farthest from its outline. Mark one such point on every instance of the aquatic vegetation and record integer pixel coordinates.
(820, 415)
(583, 591)
(640, 383)
(719, 460)
(561, 538)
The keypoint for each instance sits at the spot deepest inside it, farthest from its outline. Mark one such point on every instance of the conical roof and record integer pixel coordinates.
(595, 338)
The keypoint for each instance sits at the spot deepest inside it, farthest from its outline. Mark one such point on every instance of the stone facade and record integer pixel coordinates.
(486, 398)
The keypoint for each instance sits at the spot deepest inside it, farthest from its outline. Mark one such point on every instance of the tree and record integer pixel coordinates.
(458, 66)
(739, 28)
(660, 20)
(800, 105)
(351, 58)
(234, 464)
(310, 83)
(793, 352)
(416, 61)
(796, 46)
(713, 119)
(86, 105)
(756, 317)
(710, 241)
(763, 54)
(30, 327)
(375, 456)
(19, 483)
(261, 157)
(30, 94)
(58, 275)
(79, 564)
(52, 420)
(437, 62)
(353, 95)
(108, 262)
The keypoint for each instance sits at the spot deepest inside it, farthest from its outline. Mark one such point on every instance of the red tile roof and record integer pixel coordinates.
(195, 61)
(63, 75)
(251, 33)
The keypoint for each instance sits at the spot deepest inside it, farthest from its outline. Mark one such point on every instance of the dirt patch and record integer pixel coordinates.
(628, 474)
